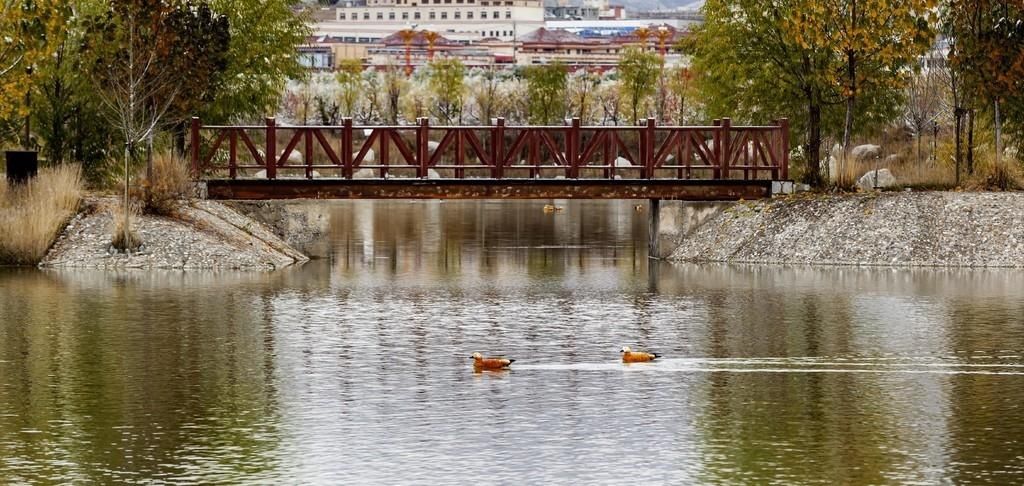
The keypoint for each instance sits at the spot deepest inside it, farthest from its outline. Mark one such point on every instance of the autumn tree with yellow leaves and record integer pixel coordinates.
(29, 32)
(987, 48)
(821, 63)
(878, 43)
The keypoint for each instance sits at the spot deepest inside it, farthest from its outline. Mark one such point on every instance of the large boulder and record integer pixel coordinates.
(876, 179)
(833, 168)
(834, 156)
(368, 158)
(866, 152)
(295, 158)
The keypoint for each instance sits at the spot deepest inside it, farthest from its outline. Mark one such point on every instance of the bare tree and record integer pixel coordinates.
(485, 100)
(369, 109)
(954, 104)
(923, 103)
(135, 86)
(395, 84)
(582, 87)
(612, 105)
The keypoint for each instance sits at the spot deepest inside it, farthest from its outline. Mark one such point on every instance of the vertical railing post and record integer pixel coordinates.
(385, 147)
(572, 142)
(533, 153)
(609, 156)
(309, 152)
(716, 153)
(423, 148)
(194, 148)
(271, 158)
(648, 150)
(233, 154)
(346, 148)
(498, 148)
(726, 146)
(784, 128)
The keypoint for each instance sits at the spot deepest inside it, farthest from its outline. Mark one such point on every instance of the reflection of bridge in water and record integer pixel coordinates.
(719, 162)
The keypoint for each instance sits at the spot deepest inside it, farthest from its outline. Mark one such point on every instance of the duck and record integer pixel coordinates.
(630, 356)
(638, 208)
(551, 208)
(481, 363)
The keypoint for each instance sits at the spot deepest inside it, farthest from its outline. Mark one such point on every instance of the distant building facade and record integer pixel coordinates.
(467, 21)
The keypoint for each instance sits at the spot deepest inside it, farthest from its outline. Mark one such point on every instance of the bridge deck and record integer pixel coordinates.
(405, 188)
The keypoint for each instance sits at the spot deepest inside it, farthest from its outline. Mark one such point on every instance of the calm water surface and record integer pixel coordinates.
(355, 369)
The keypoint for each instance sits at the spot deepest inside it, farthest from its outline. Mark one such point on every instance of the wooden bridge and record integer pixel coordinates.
(270, 161)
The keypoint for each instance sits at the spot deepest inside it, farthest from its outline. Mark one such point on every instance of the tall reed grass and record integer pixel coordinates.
(33, 214)
(122, 232)
(168, 185)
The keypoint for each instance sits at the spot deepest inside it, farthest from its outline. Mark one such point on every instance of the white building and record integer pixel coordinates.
(459, 20)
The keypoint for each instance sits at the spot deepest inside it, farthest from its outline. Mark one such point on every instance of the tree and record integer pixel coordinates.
(260, 60)
(141, 57)
(988, 49)
(30, 30)
(638, 74)
(394, 85)
(869, 57)
(485, 96)
(952, 75)
(370, 109)
(545, 91)
(582, 97)
(681, 90)
(753, 61)
(610, 102)
(199, 55)
(350, 81)
(66, 115)
(446, 82)
(327, 109)
(924, 101)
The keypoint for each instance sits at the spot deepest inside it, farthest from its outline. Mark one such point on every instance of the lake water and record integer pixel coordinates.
(354, 368)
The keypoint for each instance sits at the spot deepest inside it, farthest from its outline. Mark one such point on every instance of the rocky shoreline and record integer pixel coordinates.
(201, 235)
(944, 229)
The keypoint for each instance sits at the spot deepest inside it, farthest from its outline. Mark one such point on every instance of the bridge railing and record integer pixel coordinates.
(497, 151)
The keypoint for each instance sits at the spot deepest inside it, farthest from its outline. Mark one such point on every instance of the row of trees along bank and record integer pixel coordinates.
(100, 80)
(107, 77)
(839, 68)
(450, 93)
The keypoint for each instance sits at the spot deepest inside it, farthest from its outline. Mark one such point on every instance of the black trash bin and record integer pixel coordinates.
(22, 165)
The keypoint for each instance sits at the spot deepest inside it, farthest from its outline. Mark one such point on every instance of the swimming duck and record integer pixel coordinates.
(551, 208)
(630, 356)
(481, 363)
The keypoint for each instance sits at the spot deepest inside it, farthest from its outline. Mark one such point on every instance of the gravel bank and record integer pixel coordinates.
(952, 229)
(203, 235)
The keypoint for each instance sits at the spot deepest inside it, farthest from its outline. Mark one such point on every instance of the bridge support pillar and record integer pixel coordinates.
(653, 232)
(671, 222)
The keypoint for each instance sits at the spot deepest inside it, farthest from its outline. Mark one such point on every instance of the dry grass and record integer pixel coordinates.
(849, 172)
(989, 176)
(31, 216)
(171, 183)
(121, 239)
